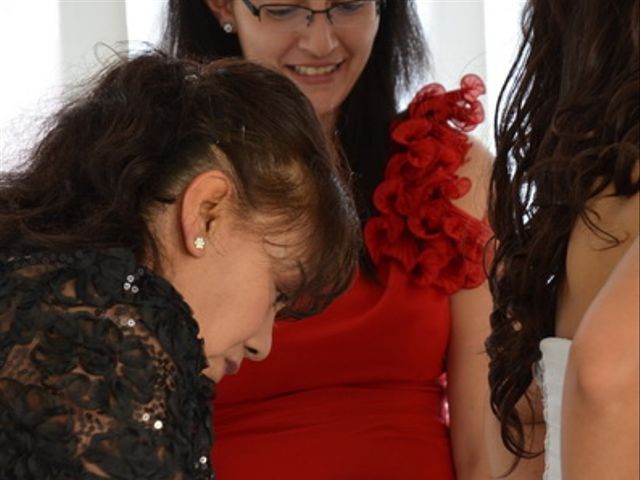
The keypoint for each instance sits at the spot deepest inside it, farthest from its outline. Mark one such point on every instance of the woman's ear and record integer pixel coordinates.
(222, 10)
(205, 200)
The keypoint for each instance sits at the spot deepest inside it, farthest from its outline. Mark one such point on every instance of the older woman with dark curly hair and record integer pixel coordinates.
(145, 248)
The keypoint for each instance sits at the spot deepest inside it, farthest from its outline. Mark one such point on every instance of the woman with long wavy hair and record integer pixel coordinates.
(564, 208)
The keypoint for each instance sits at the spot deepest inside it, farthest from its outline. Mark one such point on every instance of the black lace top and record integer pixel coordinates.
(100, 371)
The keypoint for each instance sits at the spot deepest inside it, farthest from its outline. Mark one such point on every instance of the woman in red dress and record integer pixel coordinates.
(357, 392)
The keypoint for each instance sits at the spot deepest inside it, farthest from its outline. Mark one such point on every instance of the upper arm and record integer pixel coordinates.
(611, 319)
(600, 399)
(467, 370)
(137, 419)
(467, 362)
(91, 395)
(474, 428)
(470, 308)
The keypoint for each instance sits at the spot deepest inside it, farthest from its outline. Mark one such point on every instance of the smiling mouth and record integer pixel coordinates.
(309, 71)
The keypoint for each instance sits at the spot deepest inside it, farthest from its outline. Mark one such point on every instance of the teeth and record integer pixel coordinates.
(310, 71)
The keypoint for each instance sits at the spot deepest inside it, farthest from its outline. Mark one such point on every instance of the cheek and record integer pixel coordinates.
(358, 43)
(256, 309)
(237, 315)
(261, 48)
(363, 46)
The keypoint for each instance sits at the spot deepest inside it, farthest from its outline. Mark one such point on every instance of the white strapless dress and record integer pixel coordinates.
(550, 376)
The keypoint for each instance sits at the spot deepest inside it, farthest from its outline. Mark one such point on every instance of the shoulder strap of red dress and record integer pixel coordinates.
(437, 243)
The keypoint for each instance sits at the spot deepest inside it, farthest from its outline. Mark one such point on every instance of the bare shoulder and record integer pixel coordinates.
(618, 297)
(591, 258)
(477, 168)
(611, 319)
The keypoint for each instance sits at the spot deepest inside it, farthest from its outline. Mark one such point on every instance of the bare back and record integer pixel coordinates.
(591, 257)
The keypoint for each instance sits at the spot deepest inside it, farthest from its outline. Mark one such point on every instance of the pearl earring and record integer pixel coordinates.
(199, 243)
(227, 27)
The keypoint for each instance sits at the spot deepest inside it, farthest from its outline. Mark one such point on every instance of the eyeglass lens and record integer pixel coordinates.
(289, 17)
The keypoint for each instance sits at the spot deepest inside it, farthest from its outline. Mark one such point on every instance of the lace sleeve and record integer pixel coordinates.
(89, 390)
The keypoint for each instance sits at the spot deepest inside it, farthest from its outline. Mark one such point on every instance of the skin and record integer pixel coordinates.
(602, 382)
(501, 460)
(597, 308)
(467, 363)
(235, 315)
(320, 45)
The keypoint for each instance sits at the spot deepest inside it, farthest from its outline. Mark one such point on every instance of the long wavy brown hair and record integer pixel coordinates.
(568, 129)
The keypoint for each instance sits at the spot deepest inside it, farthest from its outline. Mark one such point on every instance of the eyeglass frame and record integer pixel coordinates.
(255, 11)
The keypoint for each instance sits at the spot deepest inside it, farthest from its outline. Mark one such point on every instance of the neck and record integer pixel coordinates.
(328, 122)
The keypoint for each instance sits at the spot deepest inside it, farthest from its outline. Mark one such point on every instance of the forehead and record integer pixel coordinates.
(288, 247)
(289, 252)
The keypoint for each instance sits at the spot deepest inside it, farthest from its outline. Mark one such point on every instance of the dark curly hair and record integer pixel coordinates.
(398, 58)
(568, 129)
(146, 126)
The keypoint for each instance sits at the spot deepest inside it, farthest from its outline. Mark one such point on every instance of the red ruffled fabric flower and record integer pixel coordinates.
(438, 244)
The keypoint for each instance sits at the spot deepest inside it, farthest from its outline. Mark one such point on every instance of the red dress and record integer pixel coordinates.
(356, 392)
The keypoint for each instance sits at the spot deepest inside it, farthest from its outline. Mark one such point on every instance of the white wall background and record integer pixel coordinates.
(472, 36)
(48, 44)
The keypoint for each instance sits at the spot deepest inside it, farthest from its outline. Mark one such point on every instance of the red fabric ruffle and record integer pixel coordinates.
(438, 244)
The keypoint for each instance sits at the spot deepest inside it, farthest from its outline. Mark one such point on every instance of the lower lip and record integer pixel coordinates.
(323, 79)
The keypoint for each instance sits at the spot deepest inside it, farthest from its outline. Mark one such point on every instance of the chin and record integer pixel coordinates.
(325, 108)
(214, 372)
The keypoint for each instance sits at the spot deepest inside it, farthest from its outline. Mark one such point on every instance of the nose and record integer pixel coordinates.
(319, 38)
(258, 347)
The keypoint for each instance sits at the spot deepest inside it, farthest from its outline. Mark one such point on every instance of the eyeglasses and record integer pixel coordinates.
(286, 17)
